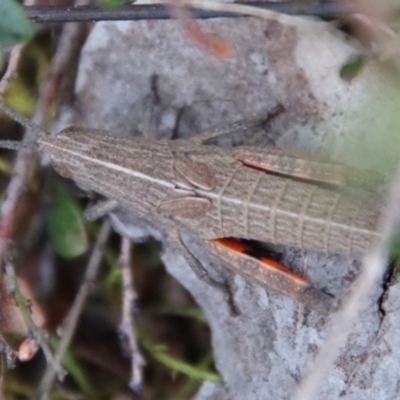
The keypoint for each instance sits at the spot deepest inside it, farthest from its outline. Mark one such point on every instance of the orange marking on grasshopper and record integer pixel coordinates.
(242, 249)
(254, 165)
(264, 168)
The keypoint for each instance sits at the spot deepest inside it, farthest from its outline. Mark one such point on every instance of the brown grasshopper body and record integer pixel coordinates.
(210, 193)
(216, 193)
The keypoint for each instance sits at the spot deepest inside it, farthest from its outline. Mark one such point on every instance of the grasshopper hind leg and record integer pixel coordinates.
(226, 286)
(173, 237)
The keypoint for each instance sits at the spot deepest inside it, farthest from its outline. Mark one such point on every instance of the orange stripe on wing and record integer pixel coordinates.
(241, 249)
(277, 266)
(233, 245)
(254, 165)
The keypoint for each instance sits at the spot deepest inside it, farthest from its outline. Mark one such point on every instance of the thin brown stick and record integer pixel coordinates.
(12, 192)
(9, 75)
(51, 14)
(126, 328)
(49, 87)
(18, 180)
(8, 352)
(34, 331)
(72, 318)
(11, 70)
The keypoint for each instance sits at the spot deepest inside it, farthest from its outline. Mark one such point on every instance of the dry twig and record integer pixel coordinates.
(24, 155)
(11, 70)
(46, 14)
(34, 331)
(9, 74)
(48, 89)
(126, 328)
(73, 316)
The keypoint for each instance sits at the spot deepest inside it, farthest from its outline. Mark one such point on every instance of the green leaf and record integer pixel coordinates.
(77, 372)
(394, 249)
(113, 3)
(15, 26)
(188, 312)
(160, 353)
(74, 368)
(65, 226)
(352, 68)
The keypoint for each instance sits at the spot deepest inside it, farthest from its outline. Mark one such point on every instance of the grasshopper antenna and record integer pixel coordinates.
(25, 122)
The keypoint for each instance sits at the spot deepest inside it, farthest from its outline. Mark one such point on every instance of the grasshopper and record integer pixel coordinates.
(216, 194)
